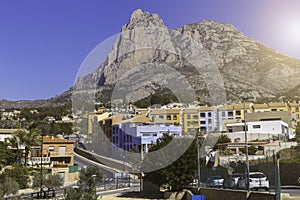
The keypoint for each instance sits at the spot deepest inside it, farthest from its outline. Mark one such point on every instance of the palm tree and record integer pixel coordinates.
(27, 138)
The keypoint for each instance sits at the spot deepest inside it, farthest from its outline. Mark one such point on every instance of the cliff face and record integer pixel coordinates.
(148, 57)
(246, 67)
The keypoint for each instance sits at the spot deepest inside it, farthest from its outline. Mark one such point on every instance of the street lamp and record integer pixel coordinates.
(198, 159)
(246, 148)
(41, 168)
(94, 178)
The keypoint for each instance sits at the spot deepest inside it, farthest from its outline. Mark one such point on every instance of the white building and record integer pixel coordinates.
(258, 130)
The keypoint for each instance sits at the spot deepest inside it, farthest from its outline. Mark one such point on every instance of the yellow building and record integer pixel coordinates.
(238, 110)
(276, 107)
(261, 107)
(96, 117)
(57, 157)
(295, 109)
(190, 122)
(166, 115)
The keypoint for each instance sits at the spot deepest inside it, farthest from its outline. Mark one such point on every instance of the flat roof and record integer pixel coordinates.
(164, 111)
(53, 140)
(8, 131)
(277, 104)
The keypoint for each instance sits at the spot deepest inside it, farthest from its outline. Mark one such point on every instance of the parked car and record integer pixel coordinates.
(215, 181)
(257, 180)
(235, 178)
(231, 180)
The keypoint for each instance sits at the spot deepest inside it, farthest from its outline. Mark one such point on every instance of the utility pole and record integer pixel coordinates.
(41, 169)
(246, 148)
(198, 159)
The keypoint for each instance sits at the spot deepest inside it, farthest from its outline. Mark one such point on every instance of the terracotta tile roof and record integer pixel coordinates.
(116, 119)
(136, 119)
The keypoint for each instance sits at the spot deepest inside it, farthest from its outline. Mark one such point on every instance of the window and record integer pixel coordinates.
(202, 122)
(273, 109)
(230, 114)
(51, 148)
(256, 126)
(209, 121)
(209, 114)
(62, 150)
(195, 116)
(188, 116)
(238, 112)
(202, 114)
(168, 117)
(223, 114)
(174, 117)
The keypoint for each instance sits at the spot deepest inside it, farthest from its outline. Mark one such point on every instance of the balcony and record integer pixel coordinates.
(37, 160)
(61, 154)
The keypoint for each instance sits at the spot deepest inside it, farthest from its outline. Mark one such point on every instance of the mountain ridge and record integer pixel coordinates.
(247, 67)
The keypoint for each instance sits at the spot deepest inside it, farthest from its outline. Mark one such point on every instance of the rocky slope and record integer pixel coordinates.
(203, 58)
(247, 67)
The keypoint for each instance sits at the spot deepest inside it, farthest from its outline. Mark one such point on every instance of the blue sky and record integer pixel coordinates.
(43, 42)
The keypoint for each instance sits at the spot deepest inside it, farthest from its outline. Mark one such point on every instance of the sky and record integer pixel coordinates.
(44, 42)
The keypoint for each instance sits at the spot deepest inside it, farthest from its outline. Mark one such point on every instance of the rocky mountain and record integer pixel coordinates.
(64, 98)
(147, 54)
(208, 59)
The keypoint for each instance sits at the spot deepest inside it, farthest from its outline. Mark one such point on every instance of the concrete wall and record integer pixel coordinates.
(217, 194)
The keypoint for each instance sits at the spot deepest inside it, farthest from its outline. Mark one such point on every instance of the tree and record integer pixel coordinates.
(8, 186)
(298, 132)
(7, 156)
(223, 139)
(27, 139)
(36, 181)
(178, 174)
(54, 181)
(19, 173)
(80, 194)
(89, 176)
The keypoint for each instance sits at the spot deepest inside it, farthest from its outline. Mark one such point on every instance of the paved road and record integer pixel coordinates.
(292, 190)
(83, 162)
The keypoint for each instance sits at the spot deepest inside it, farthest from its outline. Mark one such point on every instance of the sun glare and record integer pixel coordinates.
(293, 30)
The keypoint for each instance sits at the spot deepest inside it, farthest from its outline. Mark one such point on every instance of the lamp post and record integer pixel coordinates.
(246, 148)
(41, 169)
(198, 160)
(277, 177)
(94, 178)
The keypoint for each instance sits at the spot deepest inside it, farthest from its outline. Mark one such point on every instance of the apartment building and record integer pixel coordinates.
(166, 115)
(278, 106)
(225, 113)
(295, 109)
(57, 155)
(140, 134)
(207, 119)
(190, 121)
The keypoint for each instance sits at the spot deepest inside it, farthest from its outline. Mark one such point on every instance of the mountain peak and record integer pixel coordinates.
(139, 19)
